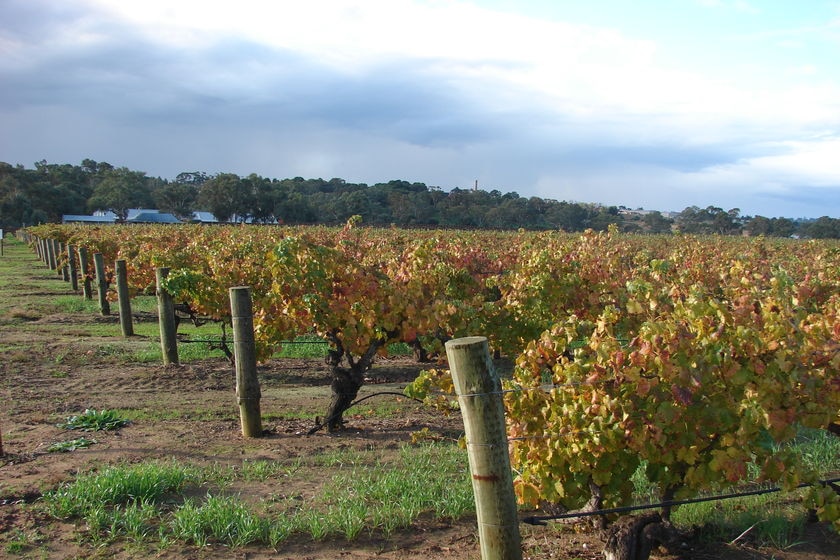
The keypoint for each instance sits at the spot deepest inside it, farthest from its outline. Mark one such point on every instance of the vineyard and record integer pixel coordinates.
(699, 359)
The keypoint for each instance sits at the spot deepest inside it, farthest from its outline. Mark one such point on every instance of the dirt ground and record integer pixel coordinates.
(50, 369)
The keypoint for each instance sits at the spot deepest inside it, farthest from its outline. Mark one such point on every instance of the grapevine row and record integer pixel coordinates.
(699, 357)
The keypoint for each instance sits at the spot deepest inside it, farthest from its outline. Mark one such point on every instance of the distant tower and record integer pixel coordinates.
(475, 188)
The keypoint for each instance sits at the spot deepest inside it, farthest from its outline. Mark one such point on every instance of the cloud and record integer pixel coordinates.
(438, 91)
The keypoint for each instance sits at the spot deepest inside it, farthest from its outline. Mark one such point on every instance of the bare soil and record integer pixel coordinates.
(50, 370)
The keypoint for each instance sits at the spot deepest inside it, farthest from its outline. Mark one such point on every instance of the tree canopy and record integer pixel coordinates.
(45, 193)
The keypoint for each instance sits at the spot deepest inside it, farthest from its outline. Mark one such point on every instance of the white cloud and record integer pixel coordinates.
(498, 59)
(440, 91)
(745, 7)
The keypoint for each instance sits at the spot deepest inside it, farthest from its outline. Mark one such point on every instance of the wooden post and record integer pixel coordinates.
(124, 300)
(480, 396)
(65, 268)
(87, 293)
(245, 358)
(51, 252)
(102, 284)
(57, 256)
(166, 319)
(71, 263)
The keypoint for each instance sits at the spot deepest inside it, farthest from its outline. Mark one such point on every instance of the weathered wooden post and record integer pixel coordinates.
(45, 249)
(166, 320)
(102, 284)
(52, 251)
(87, 293)
(480, 396)
(56, 245)
(245, 358)
(71, 263)
(64, 269)
(124, 300)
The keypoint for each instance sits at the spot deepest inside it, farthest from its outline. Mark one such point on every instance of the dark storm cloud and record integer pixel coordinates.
(133, 81)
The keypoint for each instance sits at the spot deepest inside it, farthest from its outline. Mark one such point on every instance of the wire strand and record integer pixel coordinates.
(542, 519)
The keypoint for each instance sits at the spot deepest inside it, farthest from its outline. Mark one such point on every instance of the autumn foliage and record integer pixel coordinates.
(698, 357)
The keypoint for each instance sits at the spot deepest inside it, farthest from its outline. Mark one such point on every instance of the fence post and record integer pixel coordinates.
(166, 319)
(124, 300)
(52, 250)
(87, 293)
(64, 269)
(480, 396)
(245, 358)
(102, 284)
(74, 273)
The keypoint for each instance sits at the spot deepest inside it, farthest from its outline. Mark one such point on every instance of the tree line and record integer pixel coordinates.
(45, 193)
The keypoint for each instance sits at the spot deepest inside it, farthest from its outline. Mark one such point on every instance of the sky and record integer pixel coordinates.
(655, 104)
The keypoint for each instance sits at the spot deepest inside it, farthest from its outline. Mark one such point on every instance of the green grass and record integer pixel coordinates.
(769, 520)
(21, 542)
(146, 502)
(775, 520)
(310, 346)
(75, 304)
(144, 482)
(222, 519)
(193, 415)
(818, 450)
(262, 470)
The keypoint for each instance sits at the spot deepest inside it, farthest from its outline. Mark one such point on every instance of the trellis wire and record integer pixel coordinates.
(542, 519)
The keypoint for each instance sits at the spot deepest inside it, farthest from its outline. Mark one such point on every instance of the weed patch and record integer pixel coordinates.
(94, 421)
(70, 445)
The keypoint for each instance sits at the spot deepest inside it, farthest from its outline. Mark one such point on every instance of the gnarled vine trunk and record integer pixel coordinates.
(345, 386)
(635, 537)
(346, 381)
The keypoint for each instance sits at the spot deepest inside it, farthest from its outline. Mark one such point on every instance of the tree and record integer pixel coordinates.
(823, 228)
(657, 223)
(120, 190)
(261, 195)
(776, 227)
(196, 178)
(603, 217)
(293, 208)
(568, 216)
(759, 225)
(223, 195)
(783, 227)
(177, 198)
